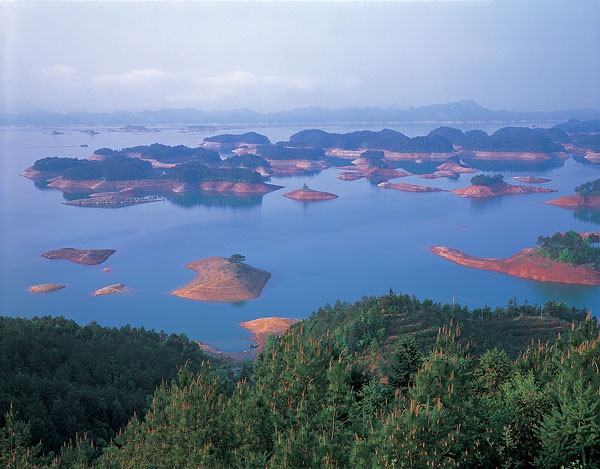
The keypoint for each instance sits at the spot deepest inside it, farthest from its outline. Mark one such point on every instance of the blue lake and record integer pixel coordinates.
(365, 242)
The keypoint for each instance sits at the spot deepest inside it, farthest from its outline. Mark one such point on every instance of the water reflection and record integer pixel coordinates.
(42, 185)
(541, 166)
(588, 215)
(480, 205)
(204, 199)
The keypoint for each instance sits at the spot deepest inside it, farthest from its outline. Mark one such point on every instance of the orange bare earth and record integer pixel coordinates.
(144, 186)
(524, 264)
(576, 201)
(219, 280)
(46, 288)
(80, 256)
(310, 195)
(263, 327)
(409, 187)
(498, 189)
(531, 179)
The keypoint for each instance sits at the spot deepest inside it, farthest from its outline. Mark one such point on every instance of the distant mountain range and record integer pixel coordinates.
(462, 111)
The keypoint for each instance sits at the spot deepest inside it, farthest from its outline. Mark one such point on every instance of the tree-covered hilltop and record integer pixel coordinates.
(385, 139)
(172, 154)
(575, 126)
(118, 168)
(307, 404)
(571, 248)
(248, 137)
(66, 379)
(367, 329)
(57, 163)
(590, 142)
(589, 188)
(198, 172)
(488, 181)
(247, 160)
(280, 152)
(374, 158)
(507, 139)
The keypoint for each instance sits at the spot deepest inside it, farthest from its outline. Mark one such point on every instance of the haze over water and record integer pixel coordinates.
(365, 242)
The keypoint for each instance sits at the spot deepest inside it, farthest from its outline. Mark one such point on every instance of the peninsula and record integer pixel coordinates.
(223, 280)
(563, 258)
(586, 195)
(80, 256)
(262, 328)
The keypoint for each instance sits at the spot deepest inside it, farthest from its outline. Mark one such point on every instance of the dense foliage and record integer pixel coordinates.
(513, 139)
(66, 379)
(308, 406)
(248, 137)
(197, 172)
(385, 139)
(56, 163)
(589, 188)
(570, 247)
(118, 168)
(165, 153)
(591, 142)
(176, 154)
(577, 126)
(374, 158)
(247, 160)
(489, 181)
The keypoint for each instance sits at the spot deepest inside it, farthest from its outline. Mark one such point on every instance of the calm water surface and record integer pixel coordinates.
(366, 242)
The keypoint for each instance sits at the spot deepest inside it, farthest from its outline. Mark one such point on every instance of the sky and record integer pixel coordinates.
(525, 55)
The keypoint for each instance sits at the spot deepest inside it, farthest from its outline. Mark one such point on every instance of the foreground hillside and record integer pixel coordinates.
(316, 397)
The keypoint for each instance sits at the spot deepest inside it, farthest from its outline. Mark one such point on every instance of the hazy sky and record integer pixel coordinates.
(105, 56)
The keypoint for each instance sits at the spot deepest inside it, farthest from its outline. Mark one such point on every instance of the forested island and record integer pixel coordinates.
(562, 258)
(484, 186)
(389, 380)
(586, 195)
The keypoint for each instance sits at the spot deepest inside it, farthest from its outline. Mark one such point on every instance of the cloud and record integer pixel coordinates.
(143, 76)
(239, 87)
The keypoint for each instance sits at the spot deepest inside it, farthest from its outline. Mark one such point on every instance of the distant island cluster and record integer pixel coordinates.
(141, 174)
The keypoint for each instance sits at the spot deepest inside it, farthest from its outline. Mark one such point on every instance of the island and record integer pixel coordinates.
(409, 187)
(110, 290)
(151, 170)
(262, 328)
(531, 179)
(80, 256)
(224, 280)
(586, 195)
(483, 186)
(46, 288)
(562, 258)
(348, 176)
(309, 195)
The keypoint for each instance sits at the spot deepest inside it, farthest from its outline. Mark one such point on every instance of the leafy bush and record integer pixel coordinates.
(589, 188)
(55, 163)
(489, 181)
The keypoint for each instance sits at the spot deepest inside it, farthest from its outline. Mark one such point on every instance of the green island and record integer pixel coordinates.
(389, 381)
(589, 188)
(570, 248)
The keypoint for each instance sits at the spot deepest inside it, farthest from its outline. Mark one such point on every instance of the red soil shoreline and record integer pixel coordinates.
(524, 264)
